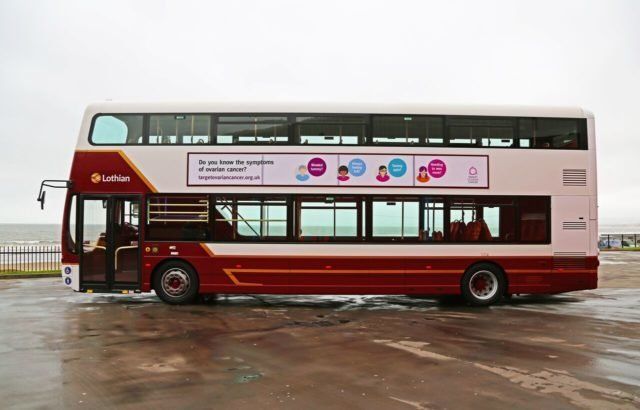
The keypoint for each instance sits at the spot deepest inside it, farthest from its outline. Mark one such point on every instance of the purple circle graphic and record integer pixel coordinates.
(317, 167)
(437, 168)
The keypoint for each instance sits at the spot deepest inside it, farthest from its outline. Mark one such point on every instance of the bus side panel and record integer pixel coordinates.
(322, 271)
(524, 274)
(435, 275)
(363, 275)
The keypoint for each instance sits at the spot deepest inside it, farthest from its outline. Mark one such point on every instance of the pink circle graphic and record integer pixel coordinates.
(317, 167)
(437, 168)
(473, 171)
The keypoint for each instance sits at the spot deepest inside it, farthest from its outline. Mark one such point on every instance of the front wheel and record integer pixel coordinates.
(483, 285)
(176, 283)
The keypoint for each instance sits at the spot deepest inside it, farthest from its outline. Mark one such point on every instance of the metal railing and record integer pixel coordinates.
(29, 258)
(619, 240)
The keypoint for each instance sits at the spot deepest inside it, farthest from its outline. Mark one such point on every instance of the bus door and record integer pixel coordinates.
(109, 234)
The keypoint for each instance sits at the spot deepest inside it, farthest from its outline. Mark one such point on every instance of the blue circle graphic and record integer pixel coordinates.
(67, 270)
(357, 167)
(67, 281)
(397, 167)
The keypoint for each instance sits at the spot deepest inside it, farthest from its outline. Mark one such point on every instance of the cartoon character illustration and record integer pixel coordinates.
(422, 175)
(382, 176)
(302, 174)
(343, 173)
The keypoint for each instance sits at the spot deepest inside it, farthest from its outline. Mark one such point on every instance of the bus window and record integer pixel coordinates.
(329, 218)
(330, 130)
(177, 218)
(179, 129)
(525, 137)
(433, 214)
(556, 133)
(497, 137)
(482, 220)
(117, 129)
(461, 136)
(534, 212)
(250, 218)
(252, 129)
(403, 130)
(395, 219)
(486, 132)
(71, 225)
(406, 129)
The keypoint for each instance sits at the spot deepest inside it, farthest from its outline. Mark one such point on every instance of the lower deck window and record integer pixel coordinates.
(329, 218)
(482, 220)
(361, 218)
(534, 219)
(433, 219)
(395, 218)
(250, 218)
(178, 218)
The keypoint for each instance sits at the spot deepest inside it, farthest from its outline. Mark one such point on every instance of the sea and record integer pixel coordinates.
(30, 234)
(49, 234)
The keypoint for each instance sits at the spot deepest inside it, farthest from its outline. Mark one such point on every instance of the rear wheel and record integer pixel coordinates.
(483, 285)
(176, 283)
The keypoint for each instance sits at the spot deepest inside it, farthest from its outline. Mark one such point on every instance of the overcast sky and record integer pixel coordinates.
(56, 57)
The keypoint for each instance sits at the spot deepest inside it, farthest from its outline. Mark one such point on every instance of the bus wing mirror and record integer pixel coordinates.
(51, 183)
(41, 199)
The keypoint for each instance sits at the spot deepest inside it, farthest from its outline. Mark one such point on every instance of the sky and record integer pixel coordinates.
(57, 57)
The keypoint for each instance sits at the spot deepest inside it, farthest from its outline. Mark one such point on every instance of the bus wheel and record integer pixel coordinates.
(176, 283)
(483, 285)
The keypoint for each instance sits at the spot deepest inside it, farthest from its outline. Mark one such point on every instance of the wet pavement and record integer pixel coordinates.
(577, 350)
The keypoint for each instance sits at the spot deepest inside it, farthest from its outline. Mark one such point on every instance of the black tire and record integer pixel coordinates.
(176, 283)
(483, 284)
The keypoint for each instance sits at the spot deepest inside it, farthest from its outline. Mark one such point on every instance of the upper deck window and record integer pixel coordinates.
(556, 133)
(331, 130)
(407, 130)
(559, 133)
(117, 129)
(484, 132)
(244, 129)
(179, 129)
(340, 129)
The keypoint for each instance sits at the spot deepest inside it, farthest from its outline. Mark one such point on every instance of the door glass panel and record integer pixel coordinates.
(94, 240)
(125, 240)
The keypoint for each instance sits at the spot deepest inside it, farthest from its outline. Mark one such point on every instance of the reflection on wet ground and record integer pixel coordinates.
(59, 349)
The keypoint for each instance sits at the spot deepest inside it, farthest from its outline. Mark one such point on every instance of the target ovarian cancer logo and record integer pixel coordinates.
(472, 177)
(98, 178)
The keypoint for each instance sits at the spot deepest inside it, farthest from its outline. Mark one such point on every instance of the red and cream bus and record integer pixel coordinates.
(197, 198)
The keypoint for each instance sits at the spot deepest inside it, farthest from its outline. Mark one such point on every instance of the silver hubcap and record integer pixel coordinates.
(483, 284)
(175, 282)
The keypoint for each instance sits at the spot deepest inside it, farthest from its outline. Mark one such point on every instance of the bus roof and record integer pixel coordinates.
(113, 107)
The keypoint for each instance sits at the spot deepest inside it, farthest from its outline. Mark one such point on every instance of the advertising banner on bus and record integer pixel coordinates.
(445, 171)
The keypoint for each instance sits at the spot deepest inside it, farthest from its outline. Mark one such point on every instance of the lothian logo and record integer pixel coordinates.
(96, 178)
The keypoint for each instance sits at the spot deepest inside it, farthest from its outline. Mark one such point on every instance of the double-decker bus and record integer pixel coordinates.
(196, 198)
